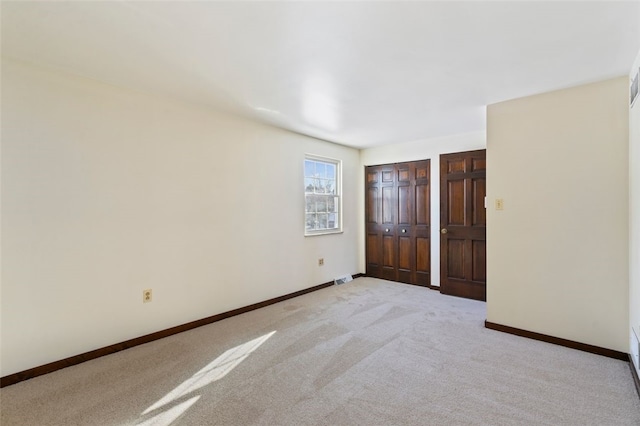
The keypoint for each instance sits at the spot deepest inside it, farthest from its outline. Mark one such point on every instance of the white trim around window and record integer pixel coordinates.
(322, 195)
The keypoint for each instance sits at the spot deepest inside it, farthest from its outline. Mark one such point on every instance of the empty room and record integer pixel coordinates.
(320, 213)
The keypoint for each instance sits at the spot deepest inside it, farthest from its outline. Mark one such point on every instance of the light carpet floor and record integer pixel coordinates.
(369, 352)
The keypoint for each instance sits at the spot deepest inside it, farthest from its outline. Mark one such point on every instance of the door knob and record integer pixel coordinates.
(404, 230)
(444, 230)
(386, 230)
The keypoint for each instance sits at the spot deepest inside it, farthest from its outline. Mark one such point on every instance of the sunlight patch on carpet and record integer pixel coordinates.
(215, 370)
(165, 418)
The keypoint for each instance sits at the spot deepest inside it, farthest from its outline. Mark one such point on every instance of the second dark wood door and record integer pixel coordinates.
(463, 257)
(397, 222)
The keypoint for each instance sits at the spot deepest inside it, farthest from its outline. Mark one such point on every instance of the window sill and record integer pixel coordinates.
(314, 234)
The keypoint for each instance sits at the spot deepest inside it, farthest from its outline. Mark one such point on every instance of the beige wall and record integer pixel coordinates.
(106, 192)
(411, 151)
(634, 222)
(557, 254)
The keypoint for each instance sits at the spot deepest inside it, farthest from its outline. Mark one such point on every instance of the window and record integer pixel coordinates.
(322, 195)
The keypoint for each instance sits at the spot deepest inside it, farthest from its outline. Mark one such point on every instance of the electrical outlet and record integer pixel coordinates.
(321, 261)
(499, 204)
(147, 295)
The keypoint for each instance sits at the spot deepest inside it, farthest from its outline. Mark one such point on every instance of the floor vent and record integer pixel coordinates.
(343, 279)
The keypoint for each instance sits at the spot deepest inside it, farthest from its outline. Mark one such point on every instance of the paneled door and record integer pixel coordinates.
(397, 222)
(463, 260)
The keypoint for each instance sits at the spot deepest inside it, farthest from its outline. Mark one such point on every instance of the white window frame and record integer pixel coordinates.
(338, 195)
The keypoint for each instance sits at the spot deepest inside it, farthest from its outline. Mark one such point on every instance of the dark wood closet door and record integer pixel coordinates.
(421, 232)
(463, 224)
(380, 219)
(397, 222)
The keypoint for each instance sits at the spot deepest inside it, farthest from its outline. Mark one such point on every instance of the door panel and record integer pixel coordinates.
(423, 255)
(422, 204)
(456, 194)
(479, 164)
(404, 253)
(372, 205)
(479, 193)
(401, 222)
(373, 256)
(463, 224)
(405, 260)
(455, 259)
(388, 202)
(388, 250)
(455, 165)
(404, 205)
(479, 253)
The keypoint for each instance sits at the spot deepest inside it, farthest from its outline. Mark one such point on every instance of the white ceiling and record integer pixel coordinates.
(356, 73)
